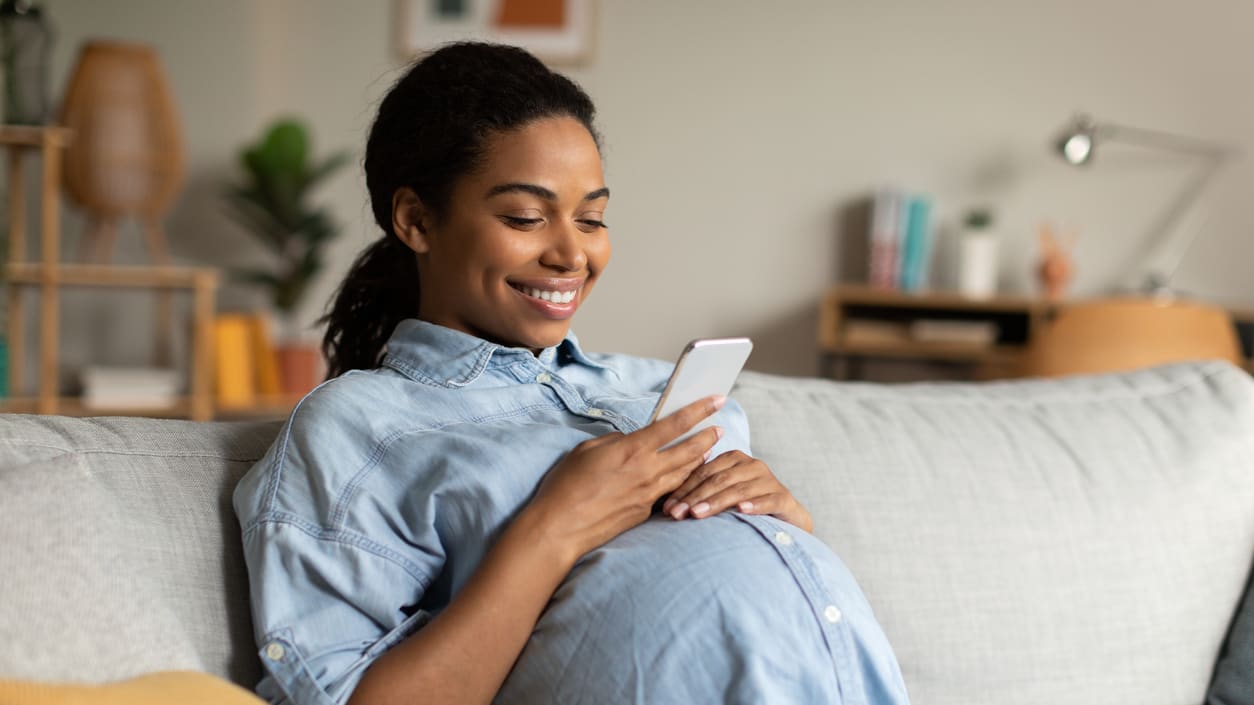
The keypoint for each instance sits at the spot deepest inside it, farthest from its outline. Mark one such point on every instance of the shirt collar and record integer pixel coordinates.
(444, 357)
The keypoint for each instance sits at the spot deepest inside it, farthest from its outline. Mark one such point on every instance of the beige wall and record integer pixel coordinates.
(739, 133)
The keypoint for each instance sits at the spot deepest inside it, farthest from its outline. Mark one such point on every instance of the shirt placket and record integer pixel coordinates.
(576, 403)
(831, 621)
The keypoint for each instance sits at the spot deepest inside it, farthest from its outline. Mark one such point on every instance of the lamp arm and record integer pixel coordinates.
(1157, 277)
(1161, 140)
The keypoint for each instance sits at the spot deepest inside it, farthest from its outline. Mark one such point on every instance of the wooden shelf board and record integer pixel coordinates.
(858, 295)
(269, 407)
(32, 274)
(265, 407)
(33, 135)
(931, 351)
(74, 406)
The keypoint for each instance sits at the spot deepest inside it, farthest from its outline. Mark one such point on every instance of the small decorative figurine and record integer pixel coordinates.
(1056, 265)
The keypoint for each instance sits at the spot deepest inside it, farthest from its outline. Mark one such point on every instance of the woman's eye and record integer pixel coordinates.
(521, 223)
(592, 223)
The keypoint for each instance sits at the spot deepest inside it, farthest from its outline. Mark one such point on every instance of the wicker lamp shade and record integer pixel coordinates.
(126, 159)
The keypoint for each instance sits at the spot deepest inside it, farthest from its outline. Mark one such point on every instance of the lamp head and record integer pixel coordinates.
(1076, 143)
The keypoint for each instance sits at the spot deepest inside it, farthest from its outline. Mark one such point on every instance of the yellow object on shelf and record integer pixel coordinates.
(233, 374)
(265, 357)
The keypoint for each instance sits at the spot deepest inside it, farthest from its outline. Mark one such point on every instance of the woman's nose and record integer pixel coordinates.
(565, 250)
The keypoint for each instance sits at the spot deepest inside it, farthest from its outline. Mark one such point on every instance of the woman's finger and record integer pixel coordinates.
(750, 493)
(663, 431)
(712, 483)
(692, 449)
(695, 478)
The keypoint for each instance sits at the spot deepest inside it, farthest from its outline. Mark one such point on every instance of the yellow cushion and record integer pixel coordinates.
(163, 688)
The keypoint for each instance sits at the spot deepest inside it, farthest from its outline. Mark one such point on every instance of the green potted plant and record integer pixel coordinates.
(273, 203)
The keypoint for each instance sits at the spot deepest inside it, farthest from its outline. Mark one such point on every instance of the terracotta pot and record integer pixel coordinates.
(301, 367)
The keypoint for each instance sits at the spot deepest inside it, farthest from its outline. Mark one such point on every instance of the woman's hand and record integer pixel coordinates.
(735, 479)
(609, 484)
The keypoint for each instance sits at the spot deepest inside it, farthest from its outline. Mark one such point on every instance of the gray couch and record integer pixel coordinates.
(1087, 540)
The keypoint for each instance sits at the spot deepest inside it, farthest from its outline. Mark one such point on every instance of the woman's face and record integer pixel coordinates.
(522, 240)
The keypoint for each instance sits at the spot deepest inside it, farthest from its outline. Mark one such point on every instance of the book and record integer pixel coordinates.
(917, 244)
(885, 210)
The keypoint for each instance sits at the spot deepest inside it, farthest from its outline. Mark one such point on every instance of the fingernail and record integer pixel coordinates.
(718, 431)
(719, 401)
(701, 509)
(708, 453)
(678, 510)
(746, 506)
(666, 506)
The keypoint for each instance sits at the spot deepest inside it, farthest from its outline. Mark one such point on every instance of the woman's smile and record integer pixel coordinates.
(554, 298)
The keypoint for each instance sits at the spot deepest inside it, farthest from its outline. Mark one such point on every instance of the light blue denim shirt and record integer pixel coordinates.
(383, 492)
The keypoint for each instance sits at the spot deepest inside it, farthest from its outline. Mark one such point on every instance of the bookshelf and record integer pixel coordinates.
(987, 338)
(46, 275)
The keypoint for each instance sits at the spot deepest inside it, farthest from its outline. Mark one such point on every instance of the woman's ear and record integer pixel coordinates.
(409, 219)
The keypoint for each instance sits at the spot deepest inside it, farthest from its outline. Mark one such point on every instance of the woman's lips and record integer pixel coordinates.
(553, 298)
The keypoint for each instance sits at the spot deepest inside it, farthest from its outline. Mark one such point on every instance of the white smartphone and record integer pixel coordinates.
(706, 367)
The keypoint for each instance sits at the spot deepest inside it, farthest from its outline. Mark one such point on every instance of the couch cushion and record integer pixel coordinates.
(1083, 540)
(126, 556)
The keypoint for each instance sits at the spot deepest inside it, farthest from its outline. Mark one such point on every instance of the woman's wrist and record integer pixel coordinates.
(538, 530)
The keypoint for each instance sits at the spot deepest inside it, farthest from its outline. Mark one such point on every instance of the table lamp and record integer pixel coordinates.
(1080, 140)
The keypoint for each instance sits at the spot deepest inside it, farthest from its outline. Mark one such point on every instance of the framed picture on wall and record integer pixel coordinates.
(560, 32)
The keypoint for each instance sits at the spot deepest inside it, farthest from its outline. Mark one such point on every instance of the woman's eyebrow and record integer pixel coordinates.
(541, 192)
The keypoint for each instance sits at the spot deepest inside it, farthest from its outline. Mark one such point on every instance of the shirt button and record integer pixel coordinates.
(782, 538)
(544, 378)
(595, 412)
(831, 614)
(275, 651)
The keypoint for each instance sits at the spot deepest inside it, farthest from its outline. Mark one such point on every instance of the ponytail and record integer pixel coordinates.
(379, 291)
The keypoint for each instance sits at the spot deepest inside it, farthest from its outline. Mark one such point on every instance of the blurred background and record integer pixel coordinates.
(743, 144)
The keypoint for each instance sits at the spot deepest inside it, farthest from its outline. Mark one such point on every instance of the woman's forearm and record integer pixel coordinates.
(465, 653)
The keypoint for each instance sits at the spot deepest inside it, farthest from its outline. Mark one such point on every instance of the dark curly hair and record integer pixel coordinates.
(430, 131)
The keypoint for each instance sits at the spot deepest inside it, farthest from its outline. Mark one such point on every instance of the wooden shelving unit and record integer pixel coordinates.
(47, 276)
(859, 324)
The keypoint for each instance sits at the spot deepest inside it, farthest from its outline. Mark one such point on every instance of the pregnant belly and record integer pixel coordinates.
(691, 612)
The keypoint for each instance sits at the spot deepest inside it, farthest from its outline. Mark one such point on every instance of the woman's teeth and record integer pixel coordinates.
(557, 297)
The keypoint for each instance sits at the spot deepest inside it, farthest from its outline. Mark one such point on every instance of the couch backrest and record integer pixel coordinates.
(1082, 540)
(119, 551)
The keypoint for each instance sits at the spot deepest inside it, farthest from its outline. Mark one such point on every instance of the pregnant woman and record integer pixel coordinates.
(462, 513)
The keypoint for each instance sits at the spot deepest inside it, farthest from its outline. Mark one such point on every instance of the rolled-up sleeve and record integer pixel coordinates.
(326, 604)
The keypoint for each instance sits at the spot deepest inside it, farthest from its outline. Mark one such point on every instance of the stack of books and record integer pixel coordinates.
(129, 387)
(901, 240)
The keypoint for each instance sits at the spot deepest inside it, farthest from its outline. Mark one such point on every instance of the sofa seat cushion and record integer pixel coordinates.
(1084, 540)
